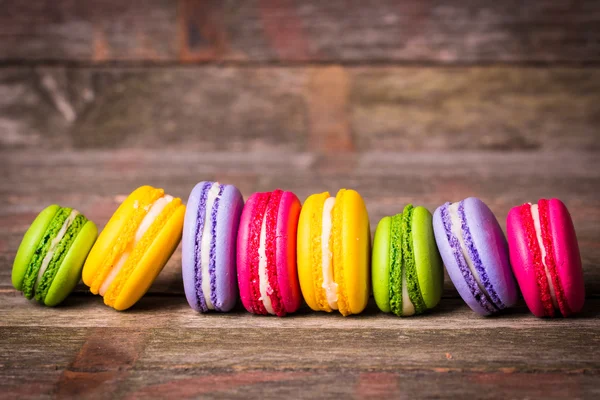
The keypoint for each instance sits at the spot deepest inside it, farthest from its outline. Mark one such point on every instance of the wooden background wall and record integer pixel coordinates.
(291, 75)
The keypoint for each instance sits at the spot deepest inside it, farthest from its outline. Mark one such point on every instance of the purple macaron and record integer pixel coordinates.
(208, 246)
(475, 253)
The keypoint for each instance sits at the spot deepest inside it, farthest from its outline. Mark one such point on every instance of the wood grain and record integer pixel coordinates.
(292, 31)
(99, 180)
(162, 347)
(322, 109)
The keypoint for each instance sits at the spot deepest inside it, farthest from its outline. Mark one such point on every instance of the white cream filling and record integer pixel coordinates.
(535, 214)
(54, 245)
(408, 307)
(331, 288)
(457, 231)
(263, 276)
(212, 195)
(155, 209)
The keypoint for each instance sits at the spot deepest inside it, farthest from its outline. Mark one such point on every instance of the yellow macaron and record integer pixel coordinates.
(134, 247)
(334, 243)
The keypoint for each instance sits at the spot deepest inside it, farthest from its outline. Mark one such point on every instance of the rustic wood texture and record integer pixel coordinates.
(162, 348)
(417, 102)
(328, 109)
(99, 180)
(300, 31)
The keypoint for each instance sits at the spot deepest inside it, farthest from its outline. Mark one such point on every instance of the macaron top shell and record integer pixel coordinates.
(560, 272)
(266, 253)
(223, 221)
(30, 241)
(381, 266)
(354, 251)
(428, 262)
(492, 248)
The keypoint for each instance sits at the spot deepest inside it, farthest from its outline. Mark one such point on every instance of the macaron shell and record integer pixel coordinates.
(153, 261)
(380, 269)
(286, 231)
(243, 267)
(29, 244)
(356, 250)
(522, 262)
(188, 261)
(230, 208)
(69, 272)
(110, 234)
(428, 262)
(567, 255)
(451, 265)
(492, 248)
(304, 255)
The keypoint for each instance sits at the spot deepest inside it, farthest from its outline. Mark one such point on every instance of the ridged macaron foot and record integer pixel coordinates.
(134, 246)
(334, 243)
(208, 246)
(51, 255)
(475, 252)
(545, 258)
(266, 253)
(407, 271)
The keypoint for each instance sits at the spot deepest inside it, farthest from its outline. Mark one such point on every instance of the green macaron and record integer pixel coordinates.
(407, 270)
(51, 255)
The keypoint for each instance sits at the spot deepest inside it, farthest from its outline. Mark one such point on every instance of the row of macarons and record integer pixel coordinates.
(274, 253)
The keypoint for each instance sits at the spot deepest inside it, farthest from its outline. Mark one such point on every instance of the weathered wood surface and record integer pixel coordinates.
(95, 182)
(300, 31)
(161, 348)
(316, 108)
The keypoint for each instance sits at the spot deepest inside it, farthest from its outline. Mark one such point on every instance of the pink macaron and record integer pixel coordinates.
(266, 253)
(545, 258)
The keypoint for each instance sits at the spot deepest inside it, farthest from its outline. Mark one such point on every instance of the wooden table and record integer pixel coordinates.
(407, 101)
(161, 347)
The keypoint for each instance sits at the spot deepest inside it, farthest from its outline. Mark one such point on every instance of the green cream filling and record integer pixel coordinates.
(59, 254)
(42, 249)
(412, 280)
(396, 264)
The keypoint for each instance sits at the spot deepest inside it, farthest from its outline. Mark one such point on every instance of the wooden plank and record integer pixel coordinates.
(308, 384)
(300, 31)
(168, 311)
(168, 348)
(98, 181)
(245, 109)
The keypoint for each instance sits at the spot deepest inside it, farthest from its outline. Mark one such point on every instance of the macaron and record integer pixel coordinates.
(407, 270)
(208, 246)
(134, 246)
(475, 252)
(266, 253)
(334, 248)
(51, 255)
(545, 258)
